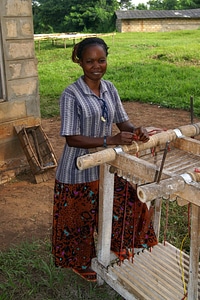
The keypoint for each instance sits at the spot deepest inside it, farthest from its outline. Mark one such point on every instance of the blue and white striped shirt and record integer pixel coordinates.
(81, 111)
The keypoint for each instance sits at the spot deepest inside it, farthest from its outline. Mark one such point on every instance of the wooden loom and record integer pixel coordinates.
(157, 274)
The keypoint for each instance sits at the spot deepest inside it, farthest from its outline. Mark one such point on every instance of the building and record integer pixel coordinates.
(157, 20)
(19, 93)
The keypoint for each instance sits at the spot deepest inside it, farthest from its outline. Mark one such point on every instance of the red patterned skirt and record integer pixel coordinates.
(75, 214)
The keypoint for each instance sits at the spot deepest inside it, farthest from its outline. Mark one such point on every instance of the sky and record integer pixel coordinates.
(136, 2)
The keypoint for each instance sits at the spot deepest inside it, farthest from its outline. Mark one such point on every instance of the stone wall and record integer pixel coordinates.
(156, 25)
(20, 104)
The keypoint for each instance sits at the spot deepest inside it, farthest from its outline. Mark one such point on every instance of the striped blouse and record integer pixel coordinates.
(83, 113)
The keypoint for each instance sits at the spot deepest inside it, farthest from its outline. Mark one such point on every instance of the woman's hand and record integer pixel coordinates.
(126, 138)
(140, 134)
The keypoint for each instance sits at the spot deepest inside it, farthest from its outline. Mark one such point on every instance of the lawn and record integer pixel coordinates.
(160, 68)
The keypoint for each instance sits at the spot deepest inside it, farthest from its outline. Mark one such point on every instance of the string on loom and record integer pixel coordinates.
(134, 230)
(124, 220)
(181, 248)
(181, 257)
(182, 268)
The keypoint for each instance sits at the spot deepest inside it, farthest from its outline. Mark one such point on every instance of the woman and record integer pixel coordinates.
(88, 109)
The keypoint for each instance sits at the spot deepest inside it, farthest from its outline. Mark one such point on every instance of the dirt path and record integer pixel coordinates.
(26, 207)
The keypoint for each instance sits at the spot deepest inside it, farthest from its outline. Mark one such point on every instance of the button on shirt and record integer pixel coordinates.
(81, 114)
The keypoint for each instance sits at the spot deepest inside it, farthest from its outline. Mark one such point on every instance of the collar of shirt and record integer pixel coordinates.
(87, 90)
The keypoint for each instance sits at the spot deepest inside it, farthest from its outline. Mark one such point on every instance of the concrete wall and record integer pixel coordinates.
(19, 104)
(156, 25)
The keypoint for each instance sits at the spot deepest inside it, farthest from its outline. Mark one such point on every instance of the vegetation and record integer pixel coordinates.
(91, 16)
(159, 68)
(27, 272)
(173, 4)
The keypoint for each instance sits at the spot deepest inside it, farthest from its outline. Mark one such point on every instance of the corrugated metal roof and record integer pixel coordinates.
(158, 14)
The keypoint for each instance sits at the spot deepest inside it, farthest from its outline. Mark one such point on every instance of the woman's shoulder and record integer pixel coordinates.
(108, 84)
(73, 84)
(73, 87)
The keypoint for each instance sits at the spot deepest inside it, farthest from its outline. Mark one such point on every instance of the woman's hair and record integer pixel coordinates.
(80, 47)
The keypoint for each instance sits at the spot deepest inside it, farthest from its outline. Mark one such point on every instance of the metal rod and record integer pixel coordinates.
(163, 161)
(192, 109)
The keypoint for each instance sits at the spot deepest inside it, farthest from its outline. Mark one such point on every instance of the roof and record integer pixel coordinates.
(158, 14)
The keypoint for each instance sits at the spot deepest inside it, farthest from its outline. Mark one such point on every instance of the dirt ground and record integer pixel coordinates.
(26, 207)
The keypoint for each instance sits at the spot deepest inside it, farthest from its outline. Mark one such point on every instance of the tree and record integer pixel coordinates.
(93, 16)
(75, 15)
(141, 6)
(155, 4)
(126, 4)
(49, 15)
(170, 4)
(189, 4)
(173, 4)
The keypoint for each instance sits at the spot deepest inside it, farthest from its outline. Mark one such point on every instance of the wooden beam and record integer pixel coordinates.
(194, 253)
(188, 144)
(175, 185)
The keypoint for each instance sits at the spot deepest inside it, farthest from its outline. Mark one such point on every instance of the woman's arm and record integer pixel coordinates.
(127, 134)
(81, 141)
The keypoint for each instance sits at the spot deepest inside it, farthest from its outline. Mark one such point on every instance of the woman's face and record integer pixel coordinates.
(94, 62)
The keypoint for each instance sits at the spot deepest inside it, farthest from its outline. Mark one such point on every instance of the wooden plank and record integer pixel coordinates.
(106, 184)
(176, 251)
(157, 217)
(157, 283)
(112, 280)
(161, 267)
(136, 168)
(154, 275)
(132, 283)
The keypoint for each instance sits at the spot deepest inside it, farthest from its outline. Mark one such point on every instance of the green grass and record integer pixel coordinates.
(175, 222)
(27, 272)
(159, 68)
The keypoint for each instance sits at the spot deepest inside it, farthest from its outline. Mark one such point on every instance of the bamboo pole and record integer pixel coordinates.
(107, 155)
(166, 187)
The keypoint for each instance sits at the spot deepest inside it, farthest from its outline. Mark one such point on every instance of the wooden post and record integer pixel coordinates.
(194, 254)
(157, 216)
(106, 191)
